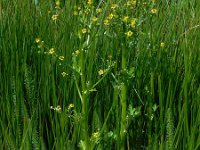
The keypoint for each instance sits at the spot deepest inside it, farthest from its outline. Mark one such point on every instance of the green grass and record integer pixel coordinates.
(100, 84)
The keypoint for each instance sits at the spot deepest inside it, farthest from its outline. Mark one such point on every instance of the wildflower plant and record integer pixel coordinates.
(104, 74)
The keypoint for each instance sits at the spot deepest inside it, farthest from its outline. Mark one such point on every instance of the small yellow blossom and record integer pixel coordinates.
(84, 30)
(58, 3)
(101, 72)
(129, 33)
(52, 51)
(99, 10)
(114, 6)
(94, 19)
(54, 17)
(110, 16)
(154, 11)
(64, 74)
(61, 58)
(90, 2)
(131, 3)
(37, 40)
(87, 11)
(162, 44)
(133, 22)
(71, 106)
(125, 19)
(79, 8)
(77, 52)
(106, 22)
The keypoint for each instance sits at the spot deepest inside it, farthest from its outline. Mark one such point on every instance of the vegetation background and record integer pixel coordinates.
(107, 74)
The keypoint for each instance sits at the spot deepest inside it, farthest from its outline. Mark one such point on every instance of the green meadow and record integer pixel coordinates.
(100, 75)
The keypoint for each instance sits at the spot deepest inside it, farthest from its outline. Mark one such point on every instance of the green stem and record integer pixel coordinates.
(123, 103)
(84, 102)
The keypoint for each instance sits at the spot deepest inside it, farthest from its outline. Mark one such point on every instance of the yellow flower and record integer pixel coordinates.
(129, 33)
(94, 19)
(133, 22)
(52, 51)
(114, 6)
(162, 44)
(61, 57)
(58, 3)
(106, 22)
(54, 17)
(64, 74)
(90, 2)
(71, 106)
(154, 11)
(77, 52)
(84, 30)
(99, 10)
(101, 72)
(110, 16)
(37, 40)
(131, 3)
(78, 8)
(125, 19)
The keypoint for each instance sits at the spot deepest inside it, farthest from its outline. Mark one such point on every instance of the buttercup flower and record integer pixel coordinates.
(94, 19)
(154, 11)
(52, 51)
(37, 40)
(133, 22)
(77, 52)
(114, 6)
(129, 33)
(84, 30)
(110, 16)
(101, 72)
(89, 2)
(162, 44)
(99, 10)
(71, 106)
(58, 3)
(61, 57)
(106, 22)
(54, 17)
(125, 19)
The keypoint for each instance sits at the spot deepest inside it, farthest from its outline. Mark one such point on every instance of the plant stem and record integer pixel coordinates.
(84, 102)
(123, 102)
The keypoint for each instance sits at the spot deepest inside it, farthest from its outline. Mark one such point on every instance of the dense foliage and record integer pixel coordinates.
(107, 74)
